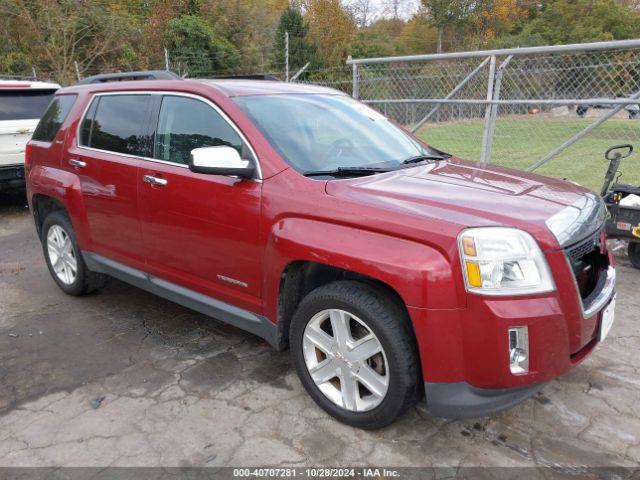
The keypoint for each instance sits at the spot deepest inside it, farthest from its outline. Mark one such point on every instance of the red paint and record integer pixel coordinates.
(399, 228)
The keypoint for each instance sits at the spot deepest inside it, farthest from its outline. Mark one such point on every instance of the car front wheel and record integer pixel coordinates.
(354, 350)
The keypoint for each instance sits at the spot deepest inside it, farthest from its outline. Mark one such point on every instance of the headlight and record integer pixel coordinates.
(503, 261)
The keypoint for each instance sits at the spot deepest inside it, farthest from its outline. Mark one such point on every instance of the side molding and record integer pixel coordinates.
(238, 317)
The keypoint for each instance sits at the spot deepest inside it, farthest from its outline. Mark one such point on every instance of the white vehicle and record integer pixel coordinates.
(22, 103)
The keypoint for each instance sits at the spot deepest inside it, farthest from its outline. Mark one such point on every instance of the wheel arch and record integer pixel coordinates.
(43, 206)
(53, 189)
(300, 277)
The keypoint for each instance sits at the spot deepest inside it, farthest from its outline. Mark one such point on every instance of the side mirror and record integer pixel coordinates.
(221, 160)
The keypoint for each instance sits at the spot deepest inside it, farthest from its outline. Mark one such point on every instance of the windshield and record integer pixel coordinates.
(24, 104)
(328, 132)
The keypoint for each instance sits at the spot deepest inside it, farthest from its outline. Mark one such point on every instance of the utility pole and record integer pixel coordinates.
(286, 55)
(77, 70)
(166, 59)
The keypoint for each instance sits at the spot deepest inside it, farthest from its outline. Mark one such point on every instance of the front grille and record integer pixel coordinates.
(588, 262)
(576, 252)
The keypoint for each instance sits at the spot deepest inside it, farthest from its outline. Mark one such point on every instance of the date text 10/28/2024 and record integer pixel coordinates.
(315, 473)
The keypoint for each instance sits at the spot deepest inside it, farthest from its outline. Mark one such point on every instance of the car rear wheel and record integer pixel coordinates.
(355, 353)
(634, 253)
(63, 257)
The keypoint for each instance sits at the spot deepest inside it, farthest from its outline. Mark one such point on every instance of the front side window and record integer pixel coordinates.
(328, 132)
(117, 123)
(53, 118)
(186, 123)
(24, 104)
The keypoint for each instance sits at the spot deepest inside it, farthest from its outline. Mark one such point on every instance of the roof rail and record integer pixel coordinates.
(126, 76)
(258, 76)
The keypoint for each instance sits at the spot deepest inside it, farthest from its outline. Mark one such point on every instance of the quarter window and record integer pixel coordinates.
(117, 123)
(53, 118)
(186, 123)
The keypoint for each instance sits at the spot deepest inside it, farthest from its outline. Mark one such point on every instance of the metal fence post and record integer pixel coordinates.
(286, 56)
(355, 92)
(487, 111)
(494, 107)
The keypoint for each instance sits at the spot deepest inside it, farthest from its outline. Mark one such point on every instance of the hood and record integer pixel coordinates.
(461, 192)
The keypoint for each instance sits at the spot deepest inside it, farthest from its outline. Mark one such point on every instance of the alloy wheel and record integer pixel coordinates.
(62, 255)
(346, 360)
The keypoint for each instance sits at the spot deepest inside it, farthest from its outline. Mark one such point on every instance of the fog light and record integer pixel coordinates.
(519, 349)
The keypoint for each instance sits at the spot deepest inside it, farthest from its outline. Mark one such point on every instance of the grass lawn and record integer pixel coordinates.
(519, 141)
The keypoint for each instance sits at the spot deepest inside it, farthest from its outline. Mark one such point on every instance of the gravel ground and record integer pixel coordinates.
(123, 378)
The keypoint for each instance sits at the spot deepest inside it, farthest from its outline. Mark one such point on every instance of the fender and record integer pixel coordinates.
(420, 274)
(64, 187)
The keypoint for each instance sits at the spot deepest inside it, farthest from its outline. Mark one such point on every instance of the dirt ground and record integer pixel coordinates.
(181, 389)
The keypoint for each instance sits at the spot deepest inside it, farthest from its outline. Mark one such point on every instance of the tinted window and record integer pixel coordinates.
(24, 104)
(119, 124)
(187, 123)
(87, 123)
(52, 119)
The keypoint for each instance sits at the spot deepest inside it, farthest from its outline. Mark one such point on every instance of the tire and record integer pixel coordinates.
(84, 281)
(369, 310)
(634, 253)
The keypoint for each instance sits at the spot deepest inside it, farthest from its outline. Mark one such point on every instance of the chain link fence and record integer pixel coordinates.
(550, 109)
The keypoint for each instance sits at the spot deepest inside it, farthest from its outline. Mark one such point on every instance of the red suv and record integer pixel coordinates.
(389, 268)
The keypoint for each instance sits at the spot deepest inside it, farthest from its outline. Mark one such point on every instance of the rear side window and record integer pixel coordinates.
(53, 118)
(24, 104)
(117, 123)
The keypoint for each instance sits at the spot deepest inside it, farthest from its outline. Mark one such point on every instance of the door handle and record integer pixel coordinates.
(77, 163)
(161, 182)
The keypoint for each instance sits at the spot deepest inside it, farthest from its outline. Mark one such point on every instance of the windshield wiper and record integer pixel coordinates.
(422, 158)
(347, 171)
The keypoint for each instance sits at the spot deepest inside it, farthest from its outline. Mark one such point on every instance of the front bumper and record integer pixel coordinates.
(465, 352)
(460, 400)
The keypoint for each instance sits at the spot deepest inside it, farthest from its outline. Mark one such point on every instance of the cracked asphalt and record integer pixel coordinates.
(181, 389)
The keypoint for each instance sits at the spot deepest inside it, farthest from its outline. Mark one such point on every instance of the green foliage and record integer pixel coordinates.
(193, 41)
(577, 21)
(301, 49)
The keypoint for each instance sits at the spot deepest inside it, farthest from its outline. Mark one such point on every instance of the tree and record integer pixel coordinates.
(448, 13)
(417, 36)
(194, 44)
(331, 27)
(250, 25)
(361, 11)
(54, 34)
(378, 39)
(576, 21)
(500, 16)
(301, 50)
